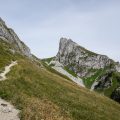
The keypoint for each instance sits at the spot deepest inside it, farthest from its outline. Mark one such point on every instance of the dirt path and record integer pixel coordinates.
(7, 111)
(7, 70)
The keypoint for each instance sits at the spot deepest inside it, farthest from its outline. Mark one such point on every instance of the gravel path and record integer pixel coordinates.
(7, 111)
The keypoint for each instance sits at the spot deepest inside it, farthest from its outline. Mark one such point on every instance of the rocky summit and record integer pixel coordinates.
(81, 60)
(8, 35)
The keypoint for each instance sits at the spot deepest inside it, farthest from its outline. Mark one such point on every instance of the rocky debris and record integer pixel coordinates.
(7, 111)
(59, 67)
(8, 35)
(7, 70)
(116, 95)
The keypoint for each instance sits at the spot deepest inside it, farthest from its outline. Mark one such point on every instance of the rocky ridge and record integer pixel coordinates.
(8, 35)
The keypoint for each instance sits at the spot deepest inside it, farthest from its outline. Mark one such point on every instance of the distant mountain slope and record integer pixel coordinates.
(41, 93)
(98, 72)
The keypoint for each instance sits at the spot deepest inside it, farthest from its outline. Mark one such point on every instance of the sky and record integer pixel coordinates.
(93, 24)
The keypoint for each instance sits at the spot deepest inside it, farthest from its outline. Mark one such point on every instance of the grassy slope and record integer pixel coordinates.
(48, 60)
(49, 68)
(40, 94)
(5, 55)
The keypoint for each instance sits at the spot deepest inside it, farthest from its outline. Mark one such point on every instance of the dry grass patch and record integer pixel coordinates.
(37, 109)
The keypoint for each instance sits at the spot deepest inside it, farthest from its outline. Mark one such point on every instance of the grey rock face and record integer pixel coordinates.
(10, 36)
(80, 60)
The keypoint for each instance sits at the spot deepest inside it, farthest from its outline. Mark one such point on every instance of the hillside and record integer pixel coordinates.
(41, 93)
(95, 72)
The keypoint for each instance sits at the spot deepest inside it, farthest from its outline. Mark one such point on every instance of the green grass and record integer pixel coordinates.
(50, 69)
(5, 55)
(70, 71)
(48, 60)
(90, 80)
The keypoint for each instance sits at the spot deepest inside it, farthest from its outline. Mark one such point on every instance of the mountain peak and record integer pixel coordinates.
(63, 39)
(66, 41)
(66, 44)
(70, 53)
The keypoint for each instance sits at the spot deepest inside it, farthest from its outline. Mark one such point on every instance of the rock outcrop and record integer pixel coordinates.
(8, 35)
